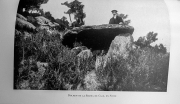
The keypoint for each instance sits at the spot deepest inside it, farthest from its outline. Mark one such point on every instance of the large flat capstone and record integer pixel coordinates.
(95, 37)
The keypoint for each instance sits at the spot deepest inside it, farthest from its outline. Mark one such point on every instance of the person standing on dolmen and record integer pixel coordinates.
(115, 19)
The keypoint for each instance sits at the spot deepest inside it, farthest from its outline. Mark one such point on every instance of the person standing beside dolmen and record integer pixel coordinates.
(115, 19)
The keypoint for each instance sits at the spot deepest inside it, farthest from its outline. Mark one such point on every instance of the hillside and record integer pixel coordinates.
(100, 57)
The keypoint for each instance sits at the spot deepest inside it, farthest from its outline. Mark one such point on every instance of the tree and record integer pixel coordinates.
(76, 8)
(160, 48)
(146, 41)
(63, 23)
(123, 16)
(41, 11)
(49, 16)
(26, 5)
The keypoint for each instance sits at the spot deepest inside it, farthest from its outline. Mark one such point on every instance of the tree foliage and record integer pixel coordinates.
(160, 48)
(146, 41)
(124, 17)
(63, 23)
(76, 8)
(30, 4)
(49, 16)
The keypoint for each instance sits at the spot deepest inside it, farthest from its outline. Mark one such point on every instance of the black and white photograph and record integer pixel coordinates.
(92, 45)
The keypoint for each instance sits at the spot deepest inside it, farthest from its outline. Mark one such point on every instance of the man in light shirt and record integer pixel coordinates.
(115, 19)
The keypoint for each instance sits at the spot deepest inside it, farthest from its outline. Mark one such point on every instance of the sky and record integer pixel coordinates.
(145, 15)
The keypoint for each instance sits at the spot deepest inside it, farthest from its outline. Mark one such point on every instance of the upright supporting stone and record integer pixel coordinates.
(120, 46)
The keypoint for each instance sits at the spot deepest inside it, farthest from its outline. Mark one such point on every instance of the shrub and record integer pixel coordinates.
(143, 70)
(65, 70)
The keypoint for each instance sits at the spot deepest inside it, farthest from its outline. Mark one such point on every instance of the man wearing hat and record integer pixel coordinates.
(115, 19)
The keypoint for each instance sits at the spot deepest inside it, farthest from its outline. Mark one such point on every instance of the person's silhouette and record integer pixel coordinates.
(115, 19)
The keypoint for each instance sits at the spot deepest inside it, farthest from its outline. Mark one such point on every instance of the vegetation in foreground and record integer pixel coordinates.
(43, 63)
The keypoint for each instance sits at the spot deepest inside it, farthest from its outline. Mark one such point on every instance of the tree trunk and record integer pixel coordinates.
(70, 18)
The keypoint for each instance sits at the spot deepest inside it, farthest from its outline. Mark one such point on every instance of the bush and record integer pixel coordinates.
(143, 70)
(65, 71)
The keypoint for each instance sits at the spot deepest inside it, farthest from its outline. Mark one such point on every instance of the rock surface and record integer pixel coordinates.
(42, 21)
(100, 62)
(120, 46)
(77, 50)
(22, 24)
(21, 17)
(85, 54)
(96, 37)
(30, 23)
